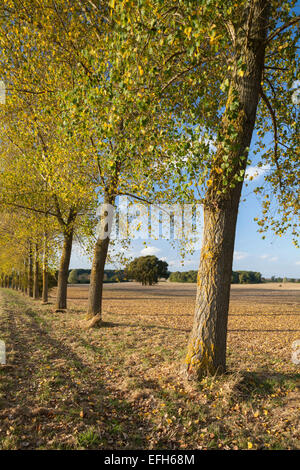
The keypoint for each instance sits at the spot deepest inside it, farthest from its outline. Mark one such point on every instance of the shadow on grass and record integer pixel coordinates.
(260, 330)
(107, 324)
(34, 356)
(262, 384)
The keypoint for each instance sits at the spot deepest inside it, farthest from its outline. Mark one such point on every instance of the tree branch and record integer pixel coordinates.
(282, 28)
(274, 121)
(33, 209)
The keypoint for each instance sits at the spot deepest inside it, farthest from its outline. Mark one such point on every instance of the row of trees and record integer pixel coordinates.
(156, 100)
(246, 277)
(237, 277)
(82, 276)
(188, 276)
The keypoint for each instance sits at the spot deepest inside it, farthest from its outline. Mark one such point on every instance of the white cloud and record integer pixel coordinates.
(256, 172)
(150, 250)
(297, 262)
(238, 255)
(275, 258)
(264, 256)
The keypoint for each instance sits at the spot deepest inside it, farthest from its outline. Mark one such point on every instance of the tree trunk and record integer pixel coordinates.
(207, 345)
(45, 286)
(96, 281)
(36, 292)
(62, 284)
(45, 272)
(30, 273)
(97, 272)
(25, 276)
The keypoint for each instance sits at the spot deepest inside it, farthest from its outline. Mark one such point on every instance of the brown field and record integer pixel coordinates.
(121, 387)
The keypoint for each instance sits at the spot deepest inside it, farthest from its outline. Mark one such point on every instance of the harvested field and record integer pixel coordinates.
(120, 386)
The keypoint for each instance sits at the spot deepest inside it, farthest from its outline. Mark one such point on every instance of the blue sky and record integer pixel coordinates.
(272, 256)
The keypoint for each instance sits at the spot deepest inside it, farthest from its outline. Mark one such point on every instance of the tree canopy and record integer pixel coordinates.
(147, 270)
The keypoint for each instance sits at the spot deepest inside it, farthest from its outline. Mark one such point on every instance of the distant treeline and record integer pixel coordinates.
(237, 277)
(246, 277)
(82, 276)
(281, 279)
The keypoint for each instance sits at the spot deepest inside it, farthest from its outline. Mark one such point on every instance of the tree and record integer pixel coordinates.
(102, 99)
(147, 270)
(222, 68)
(73, 277)
(207, 346)
(38, 133)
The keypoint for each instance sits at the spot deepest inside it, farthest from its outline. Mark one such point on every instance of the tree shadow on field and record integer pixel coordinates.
(265, 315)
(263, 383)
(107, 324)
(260, 330)
(48, 418)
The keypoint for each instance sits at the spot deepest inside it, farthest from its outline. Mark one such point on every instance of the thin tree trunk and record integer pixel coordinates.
(207, 345)
(36, 292)
(62, 284)
(30, 273)
(25, 276)
(97, 273)
(45, 272)
(45, 286)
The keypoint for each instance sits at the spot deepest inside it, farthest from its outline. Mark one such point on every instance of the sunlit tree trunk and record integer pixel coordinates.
(207, 345)
(97, 271)
(62, 284)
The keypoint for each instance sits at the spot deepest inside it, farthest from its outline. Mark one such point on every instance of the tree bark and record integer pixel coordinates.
(30, 273)
(207, 345)
(45, 271)
(62, 284)
(97, 273)
(36, 292)
(45, 286)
